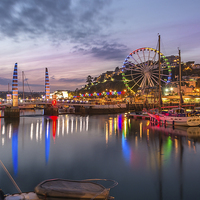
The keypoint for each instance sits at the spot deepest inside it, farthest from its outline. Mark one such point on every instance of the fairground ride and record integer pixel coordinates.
(141, 70)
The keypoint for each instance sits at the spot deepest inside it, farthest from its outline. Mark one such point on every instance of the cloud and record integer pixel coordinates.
(58, 20)
(34, 85)
(5, 81)
(104, 50)
(107, 51)
(75, 80)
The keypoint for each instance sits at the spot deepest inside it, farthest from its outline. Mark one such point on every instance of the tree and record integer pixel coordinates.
(116, 69)
(89, 80)
(76, 91)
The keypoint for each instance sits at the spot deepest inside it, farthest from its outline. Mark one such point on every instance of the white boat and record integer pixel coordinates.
(138, 115)
(70, 109)
(66, 110)
(176, 116)
(61, 110)
(54, 189)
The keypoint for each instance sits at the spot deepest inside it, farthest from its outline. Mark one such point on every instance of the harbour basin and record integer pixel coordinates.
(148, 161)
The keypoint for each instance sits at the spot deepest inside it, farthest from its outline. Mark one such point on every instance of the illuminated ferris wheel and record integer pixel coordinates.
(141, 69)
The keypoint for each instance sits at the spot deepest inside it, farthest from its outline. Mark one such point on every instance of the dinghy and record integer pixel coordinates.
(56, 189)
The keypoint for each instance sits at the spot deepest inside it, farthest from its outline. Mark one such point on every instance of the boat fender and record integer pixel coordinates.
(2, 195)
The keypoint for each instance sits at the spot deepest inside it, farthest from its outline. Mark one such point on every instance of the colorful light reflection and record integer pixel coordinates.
(47, 141)
(15, 151)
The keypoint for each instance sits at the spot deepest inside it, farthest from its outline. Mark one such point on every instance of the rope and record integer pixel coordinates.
(11, 178)
(115, 183)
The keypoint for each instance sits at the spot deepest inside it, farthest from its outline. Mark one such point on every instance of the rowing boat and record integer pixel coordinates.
(55, 189)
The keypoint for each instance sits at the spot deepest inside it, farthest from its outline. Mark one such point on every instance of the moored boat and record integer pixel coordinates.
(66, 110)
(138, 114)
(176, 116)
(66, 189)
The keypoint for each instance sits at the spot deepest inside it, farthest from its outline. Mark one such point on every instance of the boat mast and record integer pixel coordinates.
(160, 101)
(180, 102)
(23, 83)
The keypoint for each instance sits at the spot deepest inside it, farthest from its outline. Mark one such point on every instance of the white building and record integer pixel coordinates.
(60, 94)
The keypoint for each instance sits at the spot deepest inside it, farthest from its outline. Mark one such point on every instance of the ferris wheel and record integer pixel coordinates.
(141, 69)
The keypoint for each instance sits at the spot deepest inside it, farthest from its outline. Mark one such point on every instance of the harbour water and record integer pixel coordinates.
(148, 161)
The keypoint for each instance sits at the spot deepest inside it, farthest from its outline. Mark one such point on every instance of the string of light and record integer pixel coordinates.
(101, 94)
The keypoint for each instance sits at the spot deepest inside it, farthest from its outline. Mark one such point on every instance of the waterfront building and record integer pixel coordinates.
(173, 60)
(174, 90)
(9, 98)
(60, 94)
(195, 66)
(190, 63)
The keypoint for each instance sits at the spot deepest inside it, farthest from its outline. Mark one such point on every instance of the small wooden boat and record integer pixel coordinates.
(55, 189)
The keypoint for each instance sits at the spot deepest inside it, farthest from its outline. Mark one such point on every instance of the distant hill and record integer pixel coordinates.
(111, 80)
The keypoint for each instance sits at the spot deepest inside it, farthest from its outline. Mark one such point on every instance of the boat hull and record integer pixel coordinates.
(176, 120)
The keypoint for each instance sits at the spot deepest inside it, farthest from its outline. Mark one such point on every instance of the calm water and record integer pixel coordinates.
(148, 162)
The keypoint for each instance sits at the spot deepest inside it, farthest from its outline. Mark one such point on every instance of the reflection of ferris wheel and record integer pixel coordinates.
(141, 71)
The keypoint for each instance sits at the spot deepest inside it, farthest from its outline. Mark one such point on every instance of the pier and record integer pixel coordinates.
(86, 108)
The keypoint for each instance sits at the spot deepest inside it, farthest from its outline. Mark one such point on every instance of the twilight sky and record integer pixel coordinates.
(77, 38)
